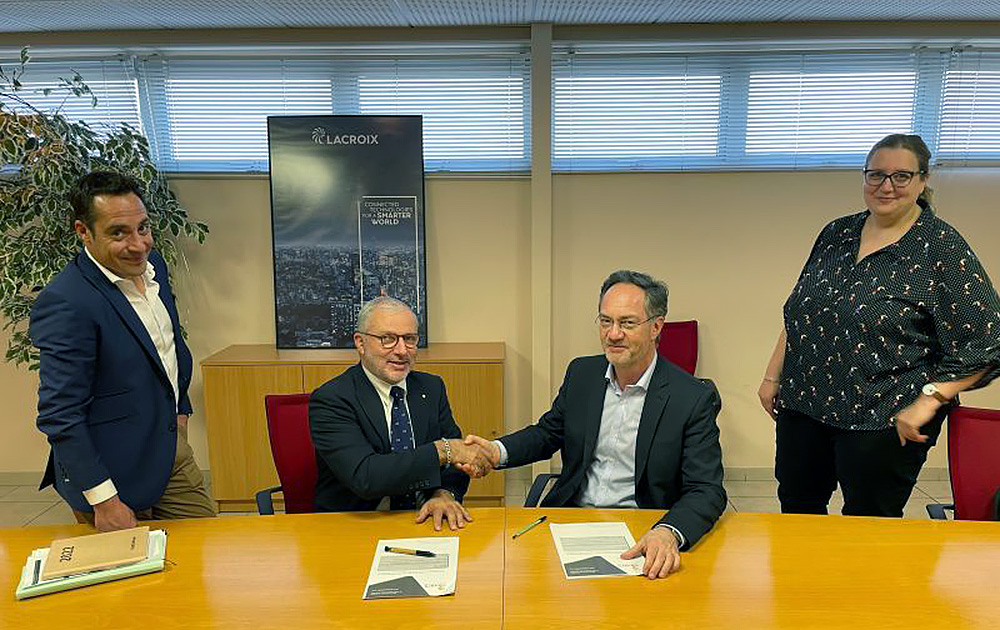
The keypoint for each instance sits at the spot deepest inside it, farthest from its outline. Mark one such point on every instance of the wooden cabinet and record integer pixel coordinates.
(237, 379)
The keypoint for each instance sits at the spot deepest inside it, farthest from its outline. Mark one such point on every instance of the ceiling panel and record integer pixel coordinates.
(342, 13)
(72, 15)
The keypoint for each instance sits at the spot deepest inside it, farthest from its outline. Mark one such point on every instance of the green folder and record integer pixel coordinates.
(31, 584)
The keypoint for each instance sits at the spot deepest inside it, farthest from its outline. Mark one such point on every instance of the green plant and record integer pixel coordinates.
(42, 155)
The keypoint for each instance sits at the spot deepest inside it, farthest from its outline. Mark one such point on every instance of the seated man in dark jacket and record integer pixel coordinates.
(634, 429)
(384, 434)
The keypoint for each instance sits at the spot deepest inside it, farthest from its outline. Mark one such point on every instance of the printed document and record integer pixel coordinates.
(401, 575)
(588, 550)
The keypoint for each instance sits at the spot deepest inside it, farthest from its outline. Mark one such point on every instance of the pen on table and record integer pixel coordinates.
(412, 552)
(526, 528)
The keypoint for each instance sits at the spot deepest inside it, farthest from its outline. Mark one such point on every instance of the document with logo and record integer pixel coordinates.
(413, 567)
(588, 550)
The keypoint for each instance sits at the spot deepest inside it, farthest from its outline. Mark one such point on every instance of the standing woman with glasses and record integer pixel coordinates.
(892, 317)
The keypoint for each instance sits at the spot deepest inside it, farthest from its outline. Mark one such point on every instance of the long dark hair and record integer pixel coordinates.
(915, 145)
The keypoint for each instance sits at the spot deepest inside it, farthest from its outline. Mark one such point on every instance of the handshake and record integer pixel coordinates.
(475, 456)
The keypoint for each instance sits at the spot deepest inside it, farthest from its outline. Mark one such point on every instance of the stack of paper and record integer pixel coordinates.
(87, 560)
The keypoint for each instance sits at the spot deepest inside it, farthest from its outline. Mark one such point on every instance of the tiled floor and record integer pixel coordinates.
(25, 505)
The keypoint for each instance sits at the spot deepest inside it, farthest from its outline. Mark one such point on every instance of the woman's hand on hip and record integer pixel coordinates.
(768, 393)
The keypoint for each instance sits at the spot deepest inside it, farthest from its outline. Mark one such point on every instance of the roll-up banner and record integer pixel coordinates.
(347, 215)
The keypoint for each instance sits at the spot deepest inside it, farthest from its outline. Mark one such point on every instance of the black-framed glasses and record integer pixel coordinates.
(389, 340)
(899, 179)
(628, 324)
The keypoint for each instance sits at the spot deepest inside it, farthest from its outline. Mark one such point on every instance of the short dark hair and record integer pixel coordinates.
(97, 183)
(915, 145)
(656, 291)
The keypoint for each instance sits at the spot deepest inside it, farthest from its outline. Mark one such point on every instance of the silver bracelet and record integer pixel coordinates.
(447, 452)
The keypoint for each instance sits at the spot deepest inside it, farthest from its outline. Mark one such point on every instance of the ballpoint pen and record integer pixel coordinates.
(538, 521)
(412, 552)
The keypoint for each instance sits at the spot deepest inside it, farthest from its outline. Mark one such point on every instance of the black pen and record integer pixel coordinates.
(412, 552)
(536, 522)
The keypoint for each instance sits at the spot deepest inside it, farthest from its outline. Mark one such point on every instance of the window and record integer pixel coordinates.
(210, 114)
(639, 108)
(970, 108)
(116, 92)
(651, 112)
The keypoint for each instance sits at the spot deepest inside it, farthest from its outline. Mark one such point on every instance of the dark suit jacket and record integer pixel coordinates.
(678, 461)
(355, 463)
(104, 399)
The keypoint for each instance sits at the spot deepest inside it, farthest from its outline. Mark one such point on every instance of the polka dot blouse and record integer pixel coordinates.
(864, 338)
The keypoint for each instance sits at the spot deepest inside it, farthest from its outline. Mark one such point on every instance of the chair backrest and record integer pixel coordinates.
(973, 445)
(292, 449)
(679, 344)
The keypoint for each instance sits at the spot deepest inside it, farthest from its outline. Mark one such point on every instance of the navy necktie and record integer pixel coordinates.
(401, 439)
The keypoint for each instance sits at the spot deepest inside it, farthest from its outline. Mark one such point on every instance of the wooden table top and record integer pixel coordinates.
(769, 571)
(290, 572)
(751, 571)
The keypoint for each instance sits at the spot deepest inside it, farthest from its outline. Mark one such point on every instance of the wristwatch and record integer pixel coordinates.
(930, 389)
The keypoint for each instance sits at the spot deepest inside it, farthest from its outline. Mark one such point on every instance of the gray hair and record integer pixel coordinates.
(656, 291)
(382, 301)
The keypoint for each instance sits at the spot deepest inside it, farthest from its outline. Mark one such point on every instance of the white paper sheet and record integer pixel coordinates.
(394, 575)
(588, 550)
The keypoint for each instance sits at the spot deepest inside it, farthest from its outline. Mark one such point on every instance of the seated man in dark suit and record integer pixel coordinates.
(383, 431)
(634, 429)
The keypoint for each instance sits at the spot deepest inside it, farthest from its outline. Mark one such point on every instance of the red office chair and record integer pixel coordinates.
(973, 444)
(679, 344)
(293, 452)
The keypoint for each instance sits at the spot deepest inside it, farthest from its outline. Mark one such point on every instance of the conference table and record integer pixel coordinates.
(752, 571)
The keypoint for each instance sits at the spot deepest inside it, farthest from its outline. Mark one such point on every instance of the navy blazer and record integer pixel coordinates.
(104, 398)
(354, 460)
(678, 460)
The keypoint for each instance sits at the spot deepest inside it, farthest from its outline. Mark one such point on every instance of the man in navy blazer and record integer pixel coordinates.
(115, 370)
(384, 434)
(634, 429)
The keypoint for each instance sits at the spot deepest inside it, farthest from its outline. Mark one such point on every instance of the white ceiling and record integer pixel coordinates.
(95, 15)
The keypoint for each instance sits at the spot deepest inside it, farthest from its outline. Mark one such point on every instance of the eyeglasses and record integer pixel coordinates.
(899, 179)
(627, 324)
(390, 340)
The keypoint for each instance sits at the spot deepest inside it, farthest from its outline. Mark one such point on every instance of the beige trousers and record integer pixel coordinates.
(185, 495)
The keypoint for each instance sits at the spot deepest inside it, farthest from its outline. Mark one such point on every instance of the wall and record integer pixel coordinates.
(730, 246)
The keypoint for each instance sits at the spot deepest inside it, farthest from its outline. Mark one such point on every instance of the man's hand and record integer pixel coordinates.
(471, 459)
(911, 418)
(442, 505)
(182, 421)
(663, 557)
(112, 514)
(487, 447)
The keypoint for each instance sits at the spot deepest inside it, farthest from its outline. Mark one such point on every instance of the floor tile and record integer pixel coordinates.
(939, 490)
(32, 494)
(768, 505)
(58, 514)
(916, 508)
(5, 490)
(16, 514)
(751, 488)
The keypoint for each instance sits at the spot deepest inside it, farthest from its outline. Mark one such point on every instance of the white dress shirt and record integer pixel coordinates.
(156, 320)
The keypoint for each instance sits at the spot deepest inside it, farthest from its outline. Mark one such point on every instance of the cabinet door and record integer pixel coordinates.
(315, 375)
(475, 391)
(239, 448)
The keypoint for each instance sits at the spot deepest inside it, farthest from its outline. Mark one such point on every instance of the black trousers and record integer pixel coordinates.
(875, 473)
